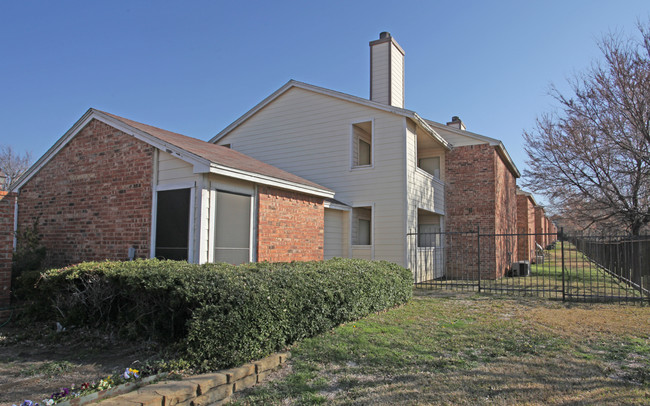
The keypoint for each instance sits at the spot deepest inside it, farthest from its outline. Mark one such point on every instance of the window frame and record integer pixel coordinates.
(355, 144)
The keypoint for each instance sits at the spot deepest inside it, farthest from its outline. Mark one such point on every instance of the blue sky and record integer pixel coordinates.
(195, 66)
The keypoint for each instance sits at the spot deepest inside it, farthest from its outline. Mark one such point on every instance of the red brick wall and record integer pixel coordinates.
(480, 191)
(540, 226)
(6, 247)
(505, 217)
(291, 226)
(92, 199)
(525, 225)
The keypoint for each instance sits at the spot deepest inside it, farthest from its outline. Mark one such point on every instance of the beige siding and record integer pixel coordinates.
(380, 73)
(361, 252)
(172, 170)
(423, 191)
(397, 77)
(310, 135)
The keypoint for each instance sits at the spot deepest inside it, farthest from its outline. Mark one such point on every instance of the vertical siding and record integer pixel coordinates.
(309, 134)
(397, 77)
(379, 74)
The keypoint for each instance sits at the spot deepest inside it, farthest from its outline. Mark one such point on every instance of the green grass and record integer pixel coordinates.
(469, 350)
(583, 279)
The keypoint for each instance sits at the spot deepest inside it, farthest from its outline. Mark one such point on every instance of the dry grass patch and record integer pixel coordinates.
(474, 350)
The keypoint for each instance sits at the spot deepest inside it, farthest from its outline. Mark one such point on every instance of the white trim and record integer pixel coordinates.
(174, 186)
(191, 225)
(252, 256)
(372, 144)
(154, 205)
(336, 206)
(267, 180)
(343, 96)
(200, 165)
(212, 221)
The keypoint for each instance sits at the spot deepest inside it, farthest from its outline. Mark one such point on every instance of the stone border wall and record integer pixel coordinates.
(199, 390)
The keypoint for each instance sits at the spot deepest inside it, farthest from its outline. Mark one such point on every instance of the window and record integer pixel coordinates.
(173, 224)
(362, 144)
(362, 226)
(429, 228)
(430, 165)
(232, 238)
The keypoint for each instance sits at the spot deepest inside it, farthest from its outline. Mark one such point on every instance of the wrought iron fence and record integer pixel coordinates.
(556, 266)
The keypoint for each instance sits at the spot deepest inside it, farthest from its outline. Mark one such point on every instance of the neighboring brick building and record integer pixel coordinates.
(112, 188)
(541, 226)
(480, 192)
(6, 247)
(525, 226)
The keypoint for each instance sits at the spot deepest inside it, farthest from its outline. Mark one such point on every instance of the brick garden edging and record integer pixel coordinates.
(201, 390)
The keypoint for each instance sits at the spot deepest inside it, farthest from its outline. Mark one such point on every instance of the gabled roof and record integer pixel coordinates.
(204, 156)
(501, 149)
(342, 96)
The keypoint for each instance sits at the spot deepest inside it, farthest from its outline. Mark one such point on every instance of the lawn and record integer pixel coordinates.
(471, 349)
(583, 279)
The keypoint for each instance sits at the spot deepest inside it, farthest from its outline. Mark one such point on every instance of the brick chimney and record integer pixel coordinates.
(457, 123)
(387, 71)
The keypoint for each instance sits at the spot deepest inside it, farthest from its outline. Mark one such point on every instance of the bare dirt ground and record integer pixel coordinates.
(36, 361)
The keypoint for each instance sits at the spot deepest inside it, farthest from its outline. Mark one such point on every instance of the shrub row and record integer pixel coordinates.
(222, 315)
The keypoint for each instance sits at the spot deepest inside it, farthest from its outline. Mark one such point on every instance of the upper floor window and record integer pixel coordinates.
(430, 165)
(362, 144)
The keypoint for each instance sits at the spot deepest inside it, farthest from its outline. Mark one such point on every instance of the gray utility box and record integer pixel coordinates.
(521, 268)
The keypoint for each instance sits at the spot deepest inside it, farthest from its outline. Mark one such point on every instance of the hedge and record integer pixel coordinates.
(222, 315)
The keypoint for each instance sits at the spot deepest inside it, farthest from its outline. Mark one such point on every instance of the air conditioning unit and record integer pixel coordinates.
(521, 268)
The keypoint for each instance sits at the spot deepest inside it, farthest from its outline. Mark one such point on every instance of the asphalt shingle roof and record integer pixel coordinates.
(217, 154)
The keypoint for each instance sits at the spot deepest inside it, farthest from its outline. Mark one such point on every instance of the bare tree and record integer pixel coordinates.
(591, 159)
(12, 165)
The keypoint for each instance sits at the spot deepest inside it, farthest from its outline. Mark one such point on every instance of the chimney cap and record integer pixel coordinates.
(455, 119)
(384, 34)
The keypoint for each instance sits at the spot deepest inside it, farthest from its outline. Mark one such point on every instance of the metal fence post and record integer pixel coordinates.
(478, 243)
(562, 245)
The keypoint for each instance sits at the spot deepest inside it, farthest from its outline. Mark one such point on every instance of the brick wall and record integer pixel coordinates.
(92, 200)
(480, 191)
(505, 249)
(291, 226)
(525, 225)
(6, 247)
(540, 226)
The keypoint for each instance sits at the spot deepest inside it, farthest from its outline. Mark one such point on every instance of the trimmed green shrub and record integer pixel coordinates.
(224, 315)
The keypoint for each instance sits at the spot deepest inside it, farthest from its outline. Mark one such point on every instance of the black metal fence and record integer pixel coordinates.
(556, 266)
